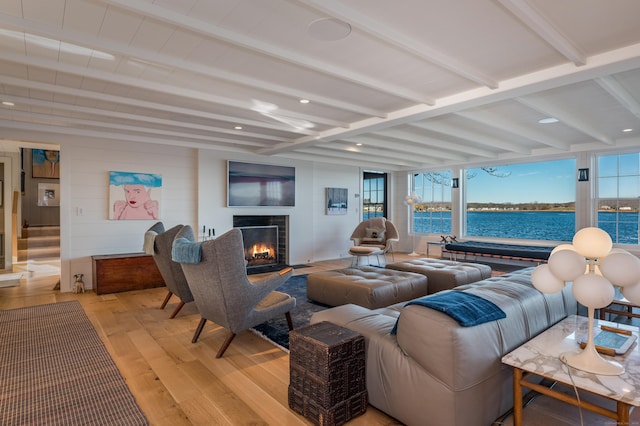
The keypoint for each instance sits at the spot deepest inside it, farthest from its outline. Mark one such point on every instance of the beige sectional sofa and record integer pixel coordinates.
(436, 372)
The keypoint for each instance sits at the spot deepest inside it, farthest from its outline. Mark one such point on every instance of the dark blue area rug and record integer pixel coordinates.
(276, 329)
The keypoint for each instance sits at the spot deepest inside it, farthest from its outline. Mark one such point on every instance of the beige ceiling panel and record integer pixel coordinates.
(152, 35)
(182, 44)
(119, 25)
(181, 6)
(84, 16)
(11, 7)
(49, 12)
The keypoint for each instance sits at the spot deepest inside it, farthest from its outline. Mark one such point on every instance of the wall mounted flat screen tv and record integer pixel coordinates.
(259, 185)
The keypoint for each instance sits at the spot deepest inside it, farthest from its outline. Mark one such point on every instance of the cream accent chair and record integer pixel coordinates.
(223, 293)
(373, 237)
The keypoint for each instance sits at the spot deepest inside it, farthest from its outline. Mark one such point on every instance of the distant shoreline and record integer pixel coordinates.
(542, 211)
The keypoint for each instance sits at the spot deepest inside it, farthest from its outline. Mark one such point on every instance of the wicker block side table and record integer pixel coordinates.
(327, 373)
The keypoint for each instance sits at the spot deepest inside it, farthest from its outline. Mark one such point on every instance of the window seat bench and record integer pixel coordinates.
(497, 250)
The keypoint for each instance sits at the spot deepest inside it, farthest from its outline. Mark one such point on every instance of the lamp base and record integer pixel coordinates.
(589, 360)
(413, 253)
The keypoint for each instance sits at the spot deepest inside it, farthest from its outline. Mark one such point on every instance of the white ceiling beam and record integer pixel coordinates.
(618, 60)
(158, 87)
(46, 87)
(169, 62)
(622, 95)
(100, 112)
(205, 28)
(496, 121)
(64, 121)
(442, 144)
(87, 133)
(367, 163)
(394, 38)
(458, 132)
(408, 150)
(356, 157)
(545, 30)
(568, 118)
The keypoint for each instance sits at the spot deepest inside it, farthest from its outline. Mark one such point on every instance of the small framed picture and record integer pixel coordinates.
(336, 201)
(48, 194)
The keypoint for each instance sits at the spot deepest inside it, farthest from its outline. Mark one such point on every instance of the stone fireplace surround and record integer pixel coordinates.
(282, 222)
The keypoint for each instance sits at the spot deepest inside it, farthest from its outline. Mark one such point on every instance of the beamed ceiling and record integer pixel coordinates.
(392, 85)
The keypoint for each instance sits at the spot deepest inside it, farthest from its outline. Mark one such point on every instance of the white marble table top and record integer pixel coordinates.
(541, 356)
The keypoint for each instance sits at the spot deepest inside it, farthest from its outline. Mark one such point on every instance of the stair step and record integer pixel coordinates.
(40, 231)
(39, 242)
(26, 243)
(38, 253)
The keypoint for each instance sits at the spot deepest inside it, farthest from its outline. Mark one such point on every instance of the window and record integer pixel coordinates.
(374, 197)
(433, 214)
(618, 192)
(534, 201)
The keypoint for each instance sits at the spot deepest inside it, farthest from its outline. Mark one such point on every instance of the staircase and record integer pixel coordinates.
(39, 242)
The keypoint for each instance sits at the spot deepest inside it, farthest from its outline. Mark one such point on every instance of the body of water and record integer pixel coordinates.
(553, 226)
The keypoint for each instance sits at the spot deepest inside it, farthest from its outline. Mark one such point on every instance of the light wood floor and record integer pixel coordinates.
(174, 381)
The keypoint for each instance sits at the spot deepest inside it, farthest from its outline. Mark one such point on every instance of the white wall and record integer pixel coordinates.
(84, 210)
(313, 235)
(194, 192)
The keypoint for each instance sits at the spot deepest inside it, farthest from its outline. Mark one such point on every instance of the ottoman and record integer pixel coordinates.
(444, 274)
(366, 286)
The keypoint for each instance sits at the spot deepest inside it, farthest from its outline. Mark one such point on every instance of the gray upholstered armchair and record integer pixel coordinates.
(373, 237)
(217, 276)
(158, 242)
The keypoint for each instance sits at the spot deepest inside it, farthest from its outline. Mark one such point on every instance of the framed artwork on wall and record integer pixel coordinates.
(336, 201)
(134, 196)
(259, 185)
(45, 163)
(48, 194)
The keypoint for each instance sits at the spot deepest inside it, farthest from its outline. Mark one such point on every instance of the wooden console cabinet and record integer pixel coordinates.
(113, 273)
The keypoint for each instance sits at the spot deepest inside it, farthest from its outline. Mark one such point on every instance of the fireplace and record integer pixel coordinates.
(260, 245)
(265, 242)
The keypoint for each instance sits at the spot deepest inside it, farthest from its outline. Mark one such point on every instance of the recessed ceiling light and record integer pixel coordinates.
(627, 130)
(238, 127)
(358, 144)
(329, 29)
(7, 103)
(548, 120)
(304, 101)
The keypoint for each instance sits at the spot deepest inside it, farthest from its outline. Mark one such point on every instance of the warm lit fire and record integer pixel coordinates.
(261, 251)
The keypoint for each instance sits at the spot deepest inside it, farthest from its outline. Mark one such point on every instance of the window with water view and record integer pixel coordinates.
(532, 201)
(433, 213)
(618, 192)
(374, 195)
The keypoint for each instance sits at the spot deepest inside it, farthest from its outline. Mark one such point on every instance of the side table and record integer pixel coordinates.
(327, 373)
(619, 306)
(540, 357)
(441, 244)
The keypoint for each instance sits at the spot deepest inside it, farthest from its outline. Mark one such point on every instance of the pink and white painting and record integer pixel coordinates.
(134, 196)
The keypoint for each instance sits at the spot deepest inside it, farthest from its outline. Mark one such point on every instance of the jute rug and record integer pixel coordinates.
(55, 370)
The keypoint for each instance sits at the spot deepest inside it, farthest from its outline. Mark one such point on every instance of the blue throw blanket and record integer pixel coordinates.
(185, 251)
(466, 308)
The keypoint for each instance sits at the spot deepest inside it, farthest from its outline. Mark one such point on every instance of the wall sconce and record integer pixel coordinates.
(583, 175)
(455, 183)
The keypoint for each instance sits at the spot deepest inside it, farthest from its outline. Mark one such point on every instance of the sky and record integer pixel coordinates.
(547, 182)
